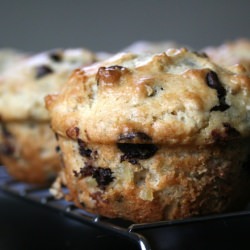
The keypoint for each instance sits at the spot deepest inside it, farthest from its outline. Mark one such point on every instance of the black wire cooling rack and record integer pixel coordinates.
(205, 232)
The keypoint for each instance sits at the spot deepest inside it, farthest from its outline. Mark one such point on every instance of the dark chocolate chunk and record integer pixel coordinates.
(58, 149)
(42, 71)
(87, 170)
(222, 107)
(56, 56)
(221, 136)
(76, 174)
(136, 145)
(136, 151)
(213, 82)
(103, 176)
(231, 131)
(83, 150)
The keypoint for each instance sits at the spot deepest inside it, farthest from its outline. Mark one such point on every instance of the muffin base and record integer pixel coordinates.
(176, 182)
(28, 151)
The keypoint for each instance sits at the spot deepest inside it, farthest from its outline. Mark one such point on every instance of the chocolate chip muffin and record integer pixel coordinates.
(27, 144)
(148, 47)
(154, 137)
(230, 53)
(10, 57)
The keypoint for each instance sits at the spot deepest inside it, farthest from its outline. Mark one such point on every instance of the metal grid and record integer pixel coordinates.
(133, 232)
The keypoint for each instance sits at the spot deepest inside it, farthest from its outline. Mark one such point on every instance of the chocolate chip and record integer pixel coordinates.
(58, 149)
(231, 131)
(86, 171)
(56, 56)
(42, 71)
(221, 136)
(222, 107)
(136, 145)
(83, 150)
(76, 174)
(213, 82)
(136, 151)
(103, 176)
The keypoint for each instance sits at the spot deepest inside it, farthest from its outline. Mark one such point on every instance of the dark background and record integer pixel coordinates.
(111, 25)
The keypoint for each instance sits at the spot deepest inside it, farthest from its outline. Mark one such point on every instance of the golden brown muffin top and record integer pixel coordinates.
(24, 86)
(175, 97)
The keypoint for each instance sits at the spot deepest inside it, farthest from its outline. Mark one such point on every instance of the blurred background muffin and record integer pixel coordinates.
(10, 57)
(27, 144)
(231, 53)
(147, 47)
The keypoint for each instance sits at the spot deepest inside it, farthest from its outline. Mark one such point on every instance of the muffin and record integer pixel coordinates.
(27, 144)
(230, 53)
(10, 57)
(154, 137)
(148, 47)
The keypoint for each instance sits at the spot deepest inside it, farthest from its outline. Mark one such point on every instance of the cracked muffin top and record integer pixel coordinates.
(175, 97)
(24, 86)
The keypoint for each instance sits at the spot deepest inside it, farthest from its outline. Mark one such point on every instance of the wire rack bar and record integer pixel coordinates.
(41, 195)
(138, 233)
